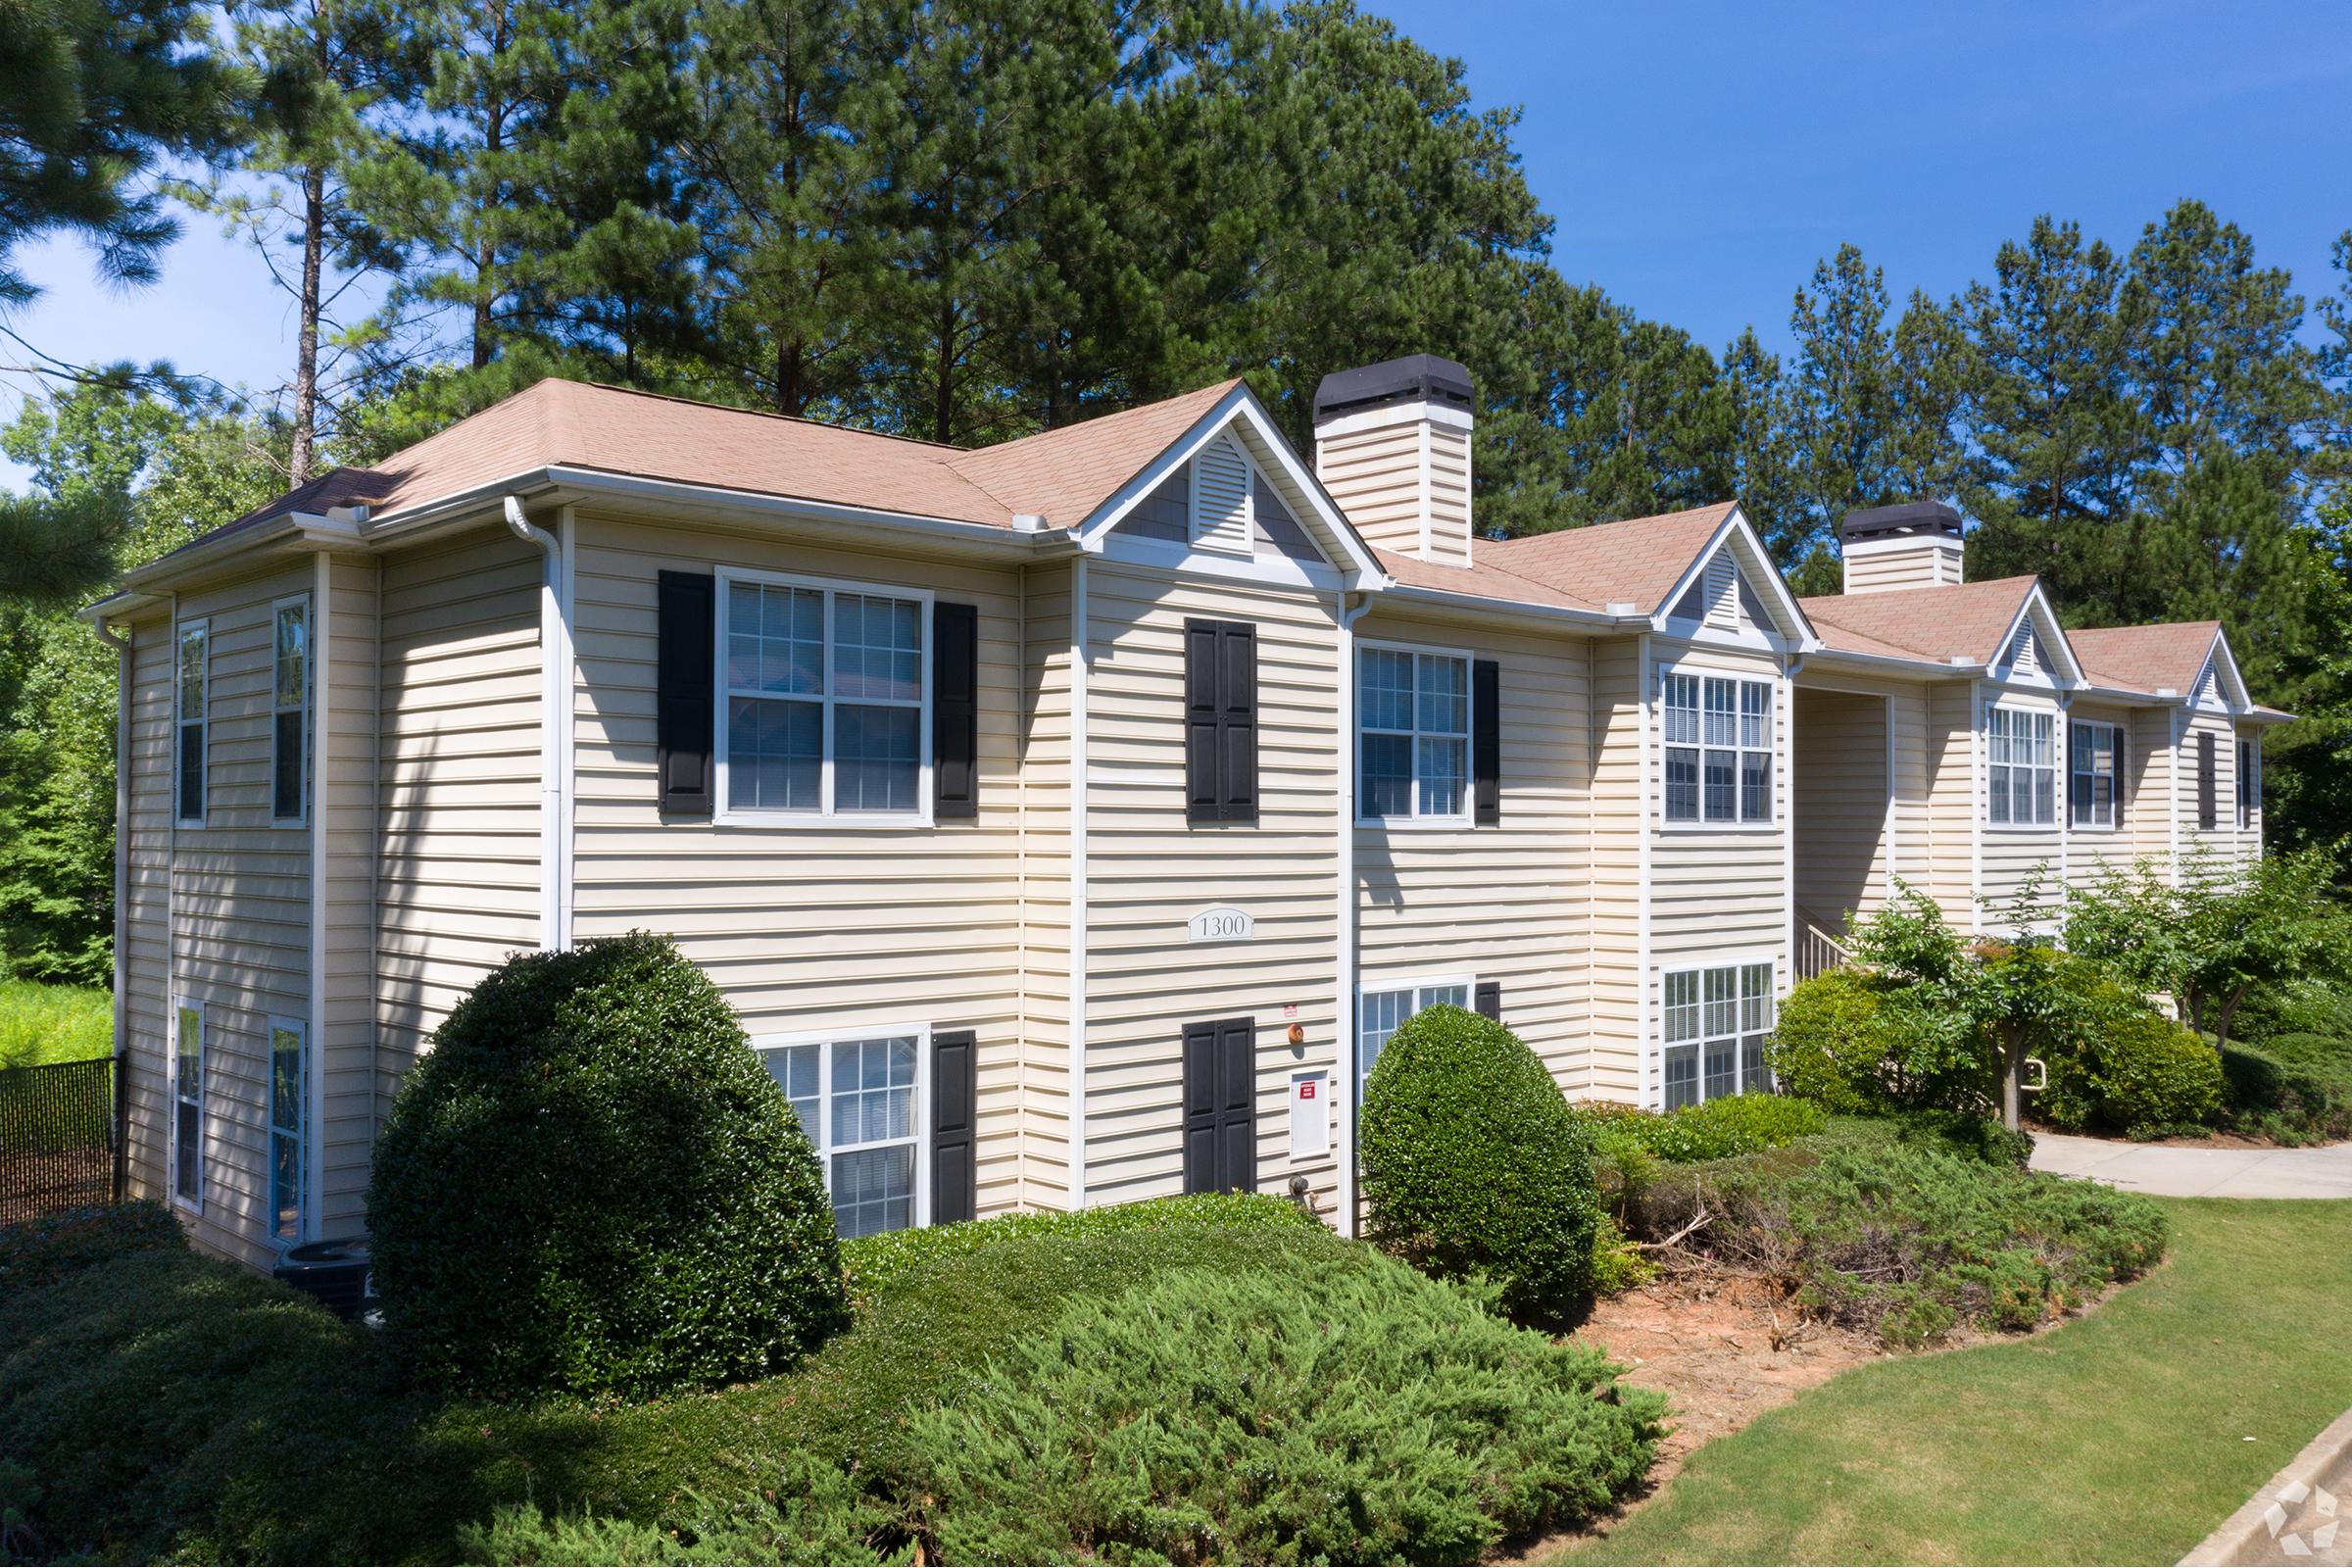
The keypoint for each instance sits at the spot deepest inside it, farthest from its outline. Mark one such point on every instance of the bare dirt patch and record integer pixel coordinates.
(1724, 1348)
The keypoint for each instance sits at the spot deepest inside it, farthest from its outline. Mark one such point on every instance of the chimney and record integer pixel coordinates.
(1393, 447)
(1913, 545)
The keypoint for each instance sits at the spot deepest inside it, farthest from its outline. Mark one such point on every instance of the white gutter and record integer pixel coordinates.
(1343, 1005)
(1417, 593)
(554, 754)
(1078, 696)
(123, 652)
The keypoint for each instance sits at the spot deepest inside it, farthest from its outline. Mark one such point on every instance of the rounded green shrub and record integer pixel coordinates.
(2137, 1070)
(590, 1183)
(1826, 1046)
(1475, 1165)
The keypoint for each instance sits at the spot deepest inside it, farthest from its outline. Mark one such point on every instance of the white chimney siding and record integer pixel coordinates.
(1393, 447)
(1912, 545)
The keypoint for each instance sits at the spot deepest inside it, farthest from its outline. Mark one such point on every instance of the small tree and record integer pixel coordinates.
(2220, 932)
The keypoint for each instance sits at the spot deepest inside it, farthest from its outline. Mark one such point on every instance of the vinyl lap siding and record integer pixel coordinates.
(2012, 861)
(1621, 731)
(146, 981)
(2222, 843)
(1045, 873)
(814, 928)
(1841, 802)
(1149, 871)
(1506, 903)
(1375, 475)
(1954, 801)
(2093, 851)
(344, 790)
(458, 781)
(241, 891)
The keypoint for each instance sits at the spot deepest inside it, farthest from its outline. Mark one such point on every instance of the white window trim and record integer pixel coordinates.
(1776, 718)
(301, 1134)
(194, 1204)
(2115, 744)
(825, 816)
(202, 626)
(1418, 820)
(1383, 985)
(1737, 959)
(310, 687)
(920, 1033)
(2061, 766)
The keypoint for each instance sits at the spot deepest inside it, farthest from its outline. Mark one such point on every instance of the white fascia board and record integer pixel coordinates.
(2036, 608)
(1358, 567)
(2223, 661)
(1599, 619)
(1919, 668)
(1387, 414)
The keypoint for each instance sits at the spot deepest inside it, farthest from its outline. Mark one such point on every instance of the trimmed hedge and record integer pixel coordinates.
(876, 1263)
(1474, 1165)
(590, 1183)
(1859, 1044)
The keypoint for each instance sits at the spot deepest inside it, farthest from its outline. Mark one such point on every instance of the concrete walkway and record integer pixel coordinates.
(2199, 1172)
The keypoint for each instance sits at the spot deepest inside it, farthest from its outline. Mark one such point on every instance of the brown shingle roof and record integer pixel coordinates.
(1064, 473)
(1637, 562)
(1481, 581)
(1966, 620)
(2145, 659)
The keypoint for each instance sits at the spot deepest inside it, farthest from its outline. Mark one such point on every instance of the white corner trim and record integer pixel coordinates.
(1645, 1036)
(551, 755)
(566, 718)
(1344, 1017)
(313, 1044)
(1079, 658)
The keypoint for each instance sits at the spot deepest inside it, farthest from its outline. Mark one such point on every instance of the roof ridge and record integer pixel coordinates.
(761, 414)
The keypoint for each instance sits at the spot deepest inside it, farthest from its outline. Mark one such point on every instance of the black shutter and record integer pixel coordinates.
(1237, 678)
(1486, 741)
(2208, 782)
(1489, 995)
(1220, 1134)
(955, 1115)
(1220, 721)
(685, 668)
(955, 710)
(1203, 711)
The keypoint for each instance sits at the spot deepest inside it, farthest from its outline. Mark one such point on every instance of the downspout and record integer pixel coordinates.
(554, 667)
(121, 1129)
(1344, 1005)
(1077, 1019)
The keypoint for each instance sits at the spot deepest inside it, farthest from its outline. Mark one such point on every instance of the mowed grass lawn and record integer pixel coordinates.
(2118, 1437)
(41, 1024)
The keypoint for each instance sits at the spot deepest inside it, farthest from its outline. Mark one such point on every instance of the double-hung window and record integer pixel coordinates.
(289, 709)
(192, 684)
(1716, 1020)
(2094, 801)
(826, 711)
(1380, 1013)
(1718, 742)
(289, 1078)
(856, 1098)
(1413, 724)
(2021, 775)
(187, 1103)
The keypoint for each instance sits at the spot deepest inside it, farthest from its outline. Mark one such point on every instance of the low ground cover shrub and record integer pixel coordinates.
(2291, 1087)
(42, 1252)
(2307, 1007)
(1979, 1138)
(590, 1183)
(1273, 1414)
(1475, 1166)
(874, 1263)
(1907, 1241)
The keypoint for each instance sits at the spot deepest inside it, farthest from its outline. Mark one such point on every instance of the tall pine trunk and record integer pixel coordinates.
(307, 307)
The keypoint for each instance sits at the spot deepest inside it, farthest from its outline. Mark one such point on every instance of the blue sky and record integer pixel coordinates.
(1698, 159)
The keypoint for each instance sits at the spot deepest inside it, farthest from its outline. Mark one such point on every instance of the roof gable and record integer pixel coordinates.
(1967, 623)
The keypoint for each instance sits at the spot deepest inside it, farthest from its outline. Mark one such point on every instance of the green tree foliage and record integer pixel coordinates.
(2216, 935)
(171, 472)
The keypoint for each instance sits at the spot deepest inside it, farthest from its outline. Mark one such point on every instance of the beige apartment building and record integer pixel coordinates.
(1069, 820)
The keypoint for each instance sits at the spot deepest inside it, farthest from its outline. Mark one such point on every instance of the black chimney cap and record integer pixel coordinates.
(1415, 378)
(1904, 518)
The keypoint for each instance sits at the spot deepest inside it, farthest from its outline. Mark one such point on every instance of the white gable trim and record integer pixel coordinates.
(2222, 664)
(1242, 412)
(2058, 661)
(1737, 534)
